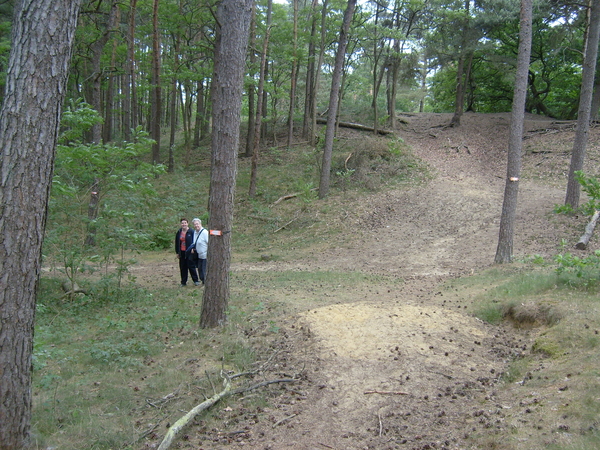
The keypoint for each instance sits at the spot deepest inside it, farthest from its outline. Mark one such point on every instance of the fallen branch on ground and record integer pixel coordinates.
(285, 197)
(227, 391)
(387, 392)
(589, 230)
(282, 227)
(357, 126)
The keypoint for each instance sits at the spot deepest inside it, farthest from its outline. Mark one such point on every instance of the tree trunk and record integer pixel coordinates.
(95, 90)
(260, 105)
(107, 129)
(376, 78)
(310, 73)
(336, 80)
(43, 33)
(173, 128)
(155, 100)
(229, 64)
(90, 239)
(251, 88)
(317, 77)
(199, 125)
(585, 103)
(293, 78)
(129, 78)
(504, 250)
(459, 104)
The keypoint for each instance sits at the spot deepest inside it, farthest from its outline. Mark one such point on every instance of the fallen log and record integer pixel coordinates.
(227, 391)
(71, 289)
(589, 230)
(356, 126)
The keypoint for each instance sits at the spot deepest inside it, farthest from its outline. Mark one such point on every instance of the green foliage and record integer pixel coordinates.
(563, 209)
(585, 269)
(591, 186)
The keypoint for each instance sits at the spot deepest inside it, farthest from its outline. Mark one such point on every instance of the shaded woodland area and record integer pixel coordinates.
(148, 64)
(142, 93)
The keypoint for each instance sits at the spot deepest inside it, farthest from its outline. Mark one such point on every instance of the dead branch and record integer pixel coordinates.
(346, 162)
(356, 126)
(279, 422)
(288, 196)
(386, 392)
(281, 228)
(227, 391)
(177, 426)
(589, 230)
(71, 288)
(285, 197)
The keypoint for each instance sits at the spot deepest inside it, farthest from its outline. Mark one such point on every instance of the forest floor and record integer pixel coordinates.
(405, 366)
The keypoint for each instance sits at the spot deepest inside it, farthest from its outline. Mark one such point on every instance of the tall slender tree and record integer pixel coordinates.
(155, 100)
(261, 105)
(43, 33)
(294, 77)
(585, 104)
(504, 250)
(233, 19)
(334, 98)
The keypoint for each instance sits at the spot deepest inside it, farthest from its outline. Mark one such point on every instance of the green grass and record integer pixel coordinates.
(111, 366)
(562, 367)
(99, 362)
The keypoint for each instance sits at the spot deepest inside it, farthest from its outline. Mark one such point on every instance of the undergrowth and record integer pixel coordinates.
(559, 312)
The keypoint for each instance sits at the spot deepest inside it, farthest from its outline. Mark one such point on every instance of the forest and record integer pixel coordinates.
(148, 64)
(140, 77)
(134, 153)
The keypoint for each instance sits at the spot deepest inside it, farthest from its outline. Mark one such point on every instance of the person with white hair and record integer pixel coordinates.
(200, 248)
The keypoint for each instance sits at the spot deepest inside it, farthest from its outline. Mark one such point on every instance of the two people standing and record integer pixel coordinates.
(191, 246)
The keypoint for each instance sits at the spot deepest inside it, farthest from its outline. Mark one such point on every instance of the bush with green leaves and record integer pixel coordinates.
(591, 186)
(98, 193)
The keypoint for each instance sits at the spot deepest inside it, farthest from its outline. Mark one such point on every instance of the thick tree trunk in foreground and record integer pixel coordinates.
(43, 32)
(504, 250)
(230, 56)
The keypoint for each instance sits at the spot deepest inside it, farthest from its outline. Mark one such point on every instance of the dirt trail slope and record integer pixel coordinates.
(405, 367)
(408, 369)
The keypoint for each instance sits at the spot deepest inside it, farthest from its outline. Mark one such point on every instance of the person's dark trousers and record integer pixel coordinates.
(202, 269)
(184, 266)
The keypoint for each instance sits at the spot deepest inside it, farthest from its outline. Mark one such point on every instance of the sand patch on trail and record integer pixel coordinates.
(358, 330)
(401, 370)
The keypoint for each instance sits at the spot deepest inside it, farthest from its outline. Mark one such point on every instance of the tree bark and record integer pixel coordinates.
(43, 33)
(459, 103)
(293, 77)
(129, 103)
(310, 73)
(230, 55)
(155, 100)
(260, 105)
(336, 80)
(251, 88)
(504, 250)
(317, 75)
(585, 104)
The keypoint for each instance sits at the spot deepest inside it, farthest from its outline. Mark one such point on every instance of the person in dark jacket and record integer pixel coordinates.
(184, 238)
